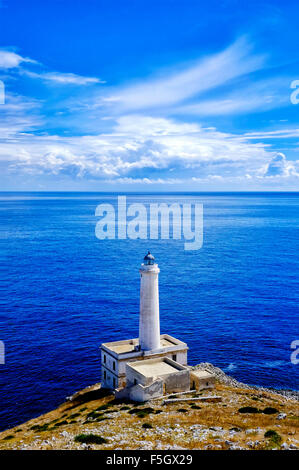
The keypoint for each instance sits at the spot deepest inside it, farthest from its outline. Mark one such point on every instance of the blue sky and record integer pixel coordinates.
(149, 96)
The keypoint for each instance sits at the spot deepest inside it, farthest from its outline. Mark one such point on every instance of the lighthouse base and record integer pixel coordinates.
(115, 356)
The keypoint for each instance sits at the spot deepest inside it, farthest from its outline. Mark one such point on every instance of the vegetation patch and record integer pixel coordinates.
(7, 438)
(147, 426)
(61, 423)
(123, 408)
(248, 409)
(90, 439)
(39, 427)
(270, 410)
(102, 407)
(274, 437)
(141, 412)
(74, 415)
(93, 415)
(195, 407)
(182, 410)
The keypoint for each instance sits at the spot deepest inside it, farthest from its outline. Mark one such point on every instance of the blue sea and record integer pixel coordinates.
(64, 292)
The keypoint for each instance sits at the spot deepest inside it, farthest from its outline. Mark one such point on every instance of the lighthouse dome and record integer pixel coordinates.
(149, 258)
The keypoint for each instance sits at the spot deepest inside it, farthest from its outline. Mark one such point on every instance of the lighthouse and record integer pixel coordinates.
(149, 319)
(150, 345)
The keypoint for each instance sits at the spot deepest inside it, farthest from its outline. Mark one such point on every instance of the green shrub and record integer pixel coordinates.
(74, 415)
(141, 414)
(7, 438)
(147, 426)
(40, 427)
(248, 409)
(273, 436)
(148, 410)
(90, 439)
(103, 407)
(195, 407)
(61, 423)
(93, 415)
(182, 410)
(123, 408)
(270, 410)
(34, 427)
(101, 418)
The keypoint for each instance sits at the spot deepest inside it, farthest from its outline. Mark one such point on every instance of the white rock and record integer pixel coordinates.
(281, 416)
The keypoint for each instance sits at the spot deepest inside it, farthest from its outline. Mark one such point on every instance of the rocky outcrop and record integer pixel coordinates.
(231, 382)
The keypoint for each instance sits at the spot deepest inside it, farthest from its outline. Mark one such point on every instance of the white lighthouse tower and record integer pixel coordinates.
(149, 320)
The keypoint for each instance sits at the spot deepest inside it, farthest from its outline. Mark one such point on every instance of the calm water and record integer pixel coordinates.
(235, 301)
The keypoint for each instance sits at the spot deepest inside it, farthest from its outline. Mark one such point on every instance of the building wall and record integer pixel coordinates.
(134, 377)
(178, 382)
(109, 379)
(140, 393)
(180, 357)
(109, 362)
(201, 383)
(117, 368)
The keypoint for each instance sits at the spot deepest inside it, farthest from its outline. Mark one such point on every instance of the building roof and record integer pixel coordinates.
(156, 367)
(131, 345)
(202, 374)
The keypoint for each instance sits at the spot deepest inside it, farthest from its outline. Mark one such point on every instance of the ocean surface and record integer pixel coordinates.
(64, 292)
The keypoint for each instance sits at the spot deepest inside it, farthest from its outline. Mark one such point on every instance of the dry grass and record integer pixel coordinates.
(170, 428)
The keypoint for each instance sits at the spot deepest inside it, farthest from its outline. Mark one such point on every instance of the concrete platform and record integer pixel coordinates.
(155, 367)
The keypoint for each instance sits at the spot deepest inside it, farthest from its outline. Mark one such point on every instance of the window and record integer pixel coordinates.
(207, 384)
(174, 357)
(135, 381)
(193, 385)
(104, 359)
(113, 365)
(114, 382)
(105, 375)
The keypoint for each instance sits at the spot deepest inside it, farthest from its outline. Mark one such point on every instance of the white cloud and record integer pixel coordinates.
(137, 147)
(258, 96)
(10, 60)
(63, 78)
(279, 166)
(143, 149)
(277, 134)
(202, 75)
